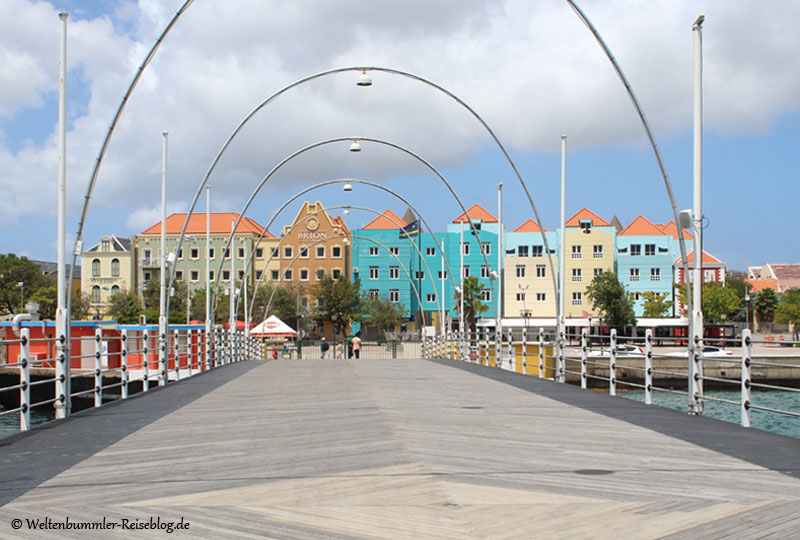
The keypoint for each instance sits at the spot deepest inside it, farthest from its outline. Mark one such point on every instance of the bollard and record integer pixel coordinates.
(747, 361)
(98, 368)
(145, 360)
(124, 389)
(25, 380)
(584, 374)
(612, 364)
(648, 367)
(524, 351)
(541, 353)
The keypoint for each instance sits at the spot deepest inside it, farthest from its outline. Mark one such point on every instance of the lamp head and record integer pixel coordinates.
(364, 79)
(685, 218)
(355, 147)
(347, 187)
(699, 21)
(346, 211)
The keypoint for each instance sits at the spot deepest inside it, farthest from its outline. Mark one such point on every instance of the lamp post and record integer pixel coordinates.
(190, 239)
(21, 286)
(747, 310)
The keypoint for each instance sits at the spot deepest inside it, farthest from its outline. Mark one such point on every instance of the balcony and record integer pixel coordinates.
(149, 263)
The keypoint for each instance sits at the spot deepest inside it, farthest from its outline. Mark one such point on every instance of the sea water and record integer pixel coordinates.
(9, 423)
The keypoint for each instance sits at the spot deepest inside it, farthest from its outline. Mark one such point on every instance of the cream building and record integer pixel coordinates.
(108, 269)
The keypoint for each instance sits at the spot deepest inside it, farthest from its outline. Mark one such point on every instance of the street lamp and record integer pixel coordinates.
(21, 286)
(355, 147)
(364, 79)
(747, 311)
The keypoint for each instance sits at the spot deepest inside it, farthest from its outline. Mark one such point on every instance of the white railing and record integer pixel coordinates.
(106, 364)
(650, 364)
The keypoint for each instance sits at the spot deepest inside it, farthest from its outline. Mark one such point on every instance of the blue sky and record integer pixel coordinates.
(530, 69)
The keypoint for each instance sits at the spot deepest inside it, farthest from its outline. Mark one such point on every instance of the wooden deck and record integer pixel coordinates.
(398, 449)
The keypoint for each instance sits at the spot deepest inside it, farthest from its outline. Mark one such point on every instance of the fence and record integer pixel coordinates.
(106, 363)
(617, 363)
(370, 350)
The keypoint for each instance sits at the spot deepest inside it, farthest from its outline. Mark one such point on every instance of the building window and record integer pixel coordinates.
(211, 275)
(394, 272)
(465, 248)
(597, 251)
(210, 253)
(598, 271)
(486, 295)
(709, 275)
(178, 275)
(649, 250)
(576, 252)
(394, 295)
(146, 254)
(430, 297)
(288, 274)
(394, 250)
(430, 251)
(96, 268)
(537, 251)
(226, 275)
(541, 271)
(373, 251)
(520, 270)
(577, 299)
(520, 297)
(373, 293)
(275, 253)
(287, 252)
(419, 274)
(240, 273)
(320, 252)
(442, 274)
(194, 275)
(336, 252)
(304, 252)
(259, 273)
(484, 271)
(576, 274)
(655, 274)
(336, 273)
(114, 267)
(180, 254)
(275, 274)
(259, 253)
(486, 247)
(541, 297)
(523, 251)
(227, 253)
(466, 272)
(106, 245)
(320, 274)
(304, 274)
(634, 275)
(373, 272)
(194, 253)
(636, 250)
(114, 290)
(96, 294)
(147, 276)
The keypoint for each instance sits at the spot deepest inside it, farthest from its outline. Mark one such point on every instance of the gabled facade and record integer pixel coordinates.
(778, 276)
(528, 276)
(109, 269)
(589, 250)
(713, 270)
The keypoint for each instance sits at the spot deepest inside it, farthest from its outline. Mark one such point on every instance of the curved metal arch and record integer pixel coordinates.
(384, 70)
(301, 151)
(280, 279)
(416, 247)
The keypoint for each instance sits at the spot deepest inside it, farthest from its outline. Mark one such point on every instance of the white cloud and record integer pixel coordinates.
(531, 69)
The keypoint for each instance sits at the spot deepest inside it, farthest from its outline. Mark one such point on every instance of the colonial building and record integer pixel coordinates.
(713, 270)
(109, 270)
(528, 275)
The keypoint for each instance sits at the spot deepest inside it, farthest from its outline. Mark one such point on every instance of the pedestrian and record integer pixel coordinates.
(323, 348)
(357, 346)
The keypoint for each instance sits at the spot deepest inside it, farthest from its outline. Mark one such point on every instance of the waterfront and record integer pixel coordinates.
(9, 423)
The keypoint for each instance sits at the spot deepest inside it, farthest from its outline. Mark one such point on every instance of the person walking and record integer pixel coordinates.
(323, 348)
(357, 346)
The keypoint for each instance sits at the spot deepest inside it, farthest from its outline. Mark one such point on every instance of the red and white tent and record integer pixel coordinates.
(272, 328)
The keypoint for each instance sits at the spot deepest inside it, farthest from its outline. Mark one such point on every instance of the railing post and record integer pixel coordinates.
(145, 360)
(124, 353)
(562, 334)
(747, 360)
(648, 366)
(697, 376)
(541, 352)
(163, 345)
(512, 355)
(63, 398)
(176, 348)
(524, 351)
(25, 380)
(98, 367)
(584, 375)
(612, 364)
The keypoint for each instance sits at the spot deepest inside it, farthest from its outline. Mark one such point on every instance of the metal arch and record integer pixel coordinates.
(280, 278)
(364, 69)
(416, 247)
(319, 144)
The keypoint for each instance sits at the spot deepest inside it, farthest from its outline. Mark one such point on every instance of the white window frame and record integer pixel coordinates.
(541, 271)
(520, 269)
(394, 272)
(374, 272)
(577, 299)
(576, 251)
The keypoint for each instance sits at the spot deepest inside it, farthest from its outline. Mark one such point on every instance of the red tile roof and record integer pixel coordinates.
(585, 213)
(707, 258)
(784, 271)
(641, 226)
(529, 226)
(761, 284)
(220, 224)
(387, 220)
(672, 230)
(477, 212)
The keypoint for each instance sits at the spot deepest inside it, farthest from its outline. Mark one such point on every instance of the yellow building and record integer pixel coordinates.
(107, 269)
(589, 250)
(528, 278)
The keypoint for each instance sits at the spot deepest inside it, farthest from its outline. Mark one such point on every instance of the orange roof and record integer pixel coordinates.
(707, 258)
(761, 284)
(220, 224)
(641, 226)
(476, 212)
(529, 226)
(672, 230)
(585, 213)
(387, 220)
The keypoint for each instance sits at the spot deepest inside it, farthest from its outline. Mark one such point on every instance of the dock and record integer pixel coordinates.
(395, 449)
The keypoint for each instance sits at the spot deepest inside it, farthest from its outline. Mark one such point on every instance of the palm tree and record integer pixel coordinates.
(473, 301)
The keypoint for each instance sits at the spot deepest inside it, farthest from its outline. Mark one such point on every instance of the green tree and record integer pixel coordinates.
(719, 303)
(656, 304)
(338, 302)
(283, 304)
(473, 301)
(742, 289)
(765, 303)
(177, 303)
(125, 308)
(610, 299)
(80, 306)
(15, 270)
(788, 310)
(383, 314)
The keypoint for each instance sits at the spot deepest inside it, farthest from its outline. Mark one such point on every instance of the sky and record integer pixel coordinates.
(531, 70)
